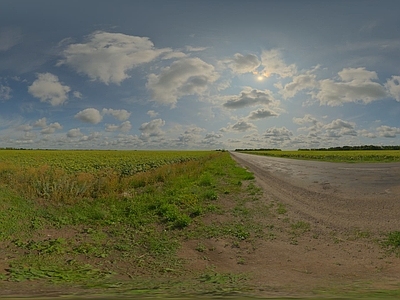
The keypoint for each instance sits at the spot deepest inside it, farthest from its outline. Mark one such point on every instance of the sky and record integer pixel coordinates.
(199, 74)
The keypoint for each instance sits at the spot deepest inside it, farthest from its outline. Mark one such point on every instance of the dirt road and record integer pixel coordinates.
(349, 207)
(338, 195)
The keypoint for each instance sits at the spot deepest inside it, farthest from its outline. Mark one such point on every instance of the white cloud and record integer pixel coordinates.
(356, 85)
(75, 132)
(108, 57)
(48, 89)
(173, 54)
(124, 127)
(366, 133)
(152, 129)
(240, 126)
(5, 92)
(42, 123)
(243, 63)
(188, 76)
(152, 114)
(388, 132)
(338, 128)
(393, 87)
(261, 113)
(25, 127)
(213, 135)
(191, 136)
(195, 49)
(51, 128)
(306, 120)
(248, 97)
(299, 83)
(9, 37)
(274, 64)
(89, 115)
(278, 134)
(77, 94)
(120, 114)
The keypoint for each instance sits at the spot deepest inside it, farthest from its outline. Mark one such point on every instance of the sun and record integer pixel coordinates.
(260, 78)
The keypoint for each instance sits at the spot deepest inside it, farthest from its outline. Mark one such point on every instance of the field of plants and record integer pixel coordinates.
(111, 218)
(124, 162)
(353, 156)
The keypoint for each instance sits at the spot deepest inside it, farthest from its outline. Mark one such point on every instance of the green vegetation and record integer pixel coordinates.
(353, 156)
(92, 225)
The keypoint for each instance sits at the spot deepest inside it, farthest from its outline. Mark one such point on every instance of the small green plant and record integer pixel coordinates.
(392, 241)
(281, 209)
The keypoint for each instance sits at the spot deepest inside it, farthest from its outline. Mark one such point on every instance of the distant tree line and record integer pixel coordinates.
(363, 147)
(260, 149)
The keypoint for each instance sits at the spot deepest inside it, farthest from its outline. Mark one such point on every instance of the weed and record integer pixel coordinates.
(281, 210)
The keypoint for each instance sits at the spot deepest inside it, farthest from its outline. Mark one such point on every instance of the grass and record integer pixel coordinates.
(93, 230)
(98, 228)
(352, 156)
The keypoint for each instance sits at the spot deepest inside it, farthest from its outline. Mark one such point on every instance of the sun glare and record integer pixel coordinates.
(260, 78)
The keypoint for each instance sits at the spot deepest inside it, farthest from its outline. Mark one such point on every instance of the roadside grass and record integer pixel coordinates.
(352, 156)
(101, 229)
(391, 242)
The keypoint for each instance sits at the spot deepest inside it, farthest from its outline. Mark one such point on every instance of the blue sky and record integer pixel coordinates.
(199, 74)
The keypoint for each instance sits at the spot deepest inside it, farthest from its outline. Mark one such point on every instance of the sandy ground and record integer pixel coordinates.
(349, 208)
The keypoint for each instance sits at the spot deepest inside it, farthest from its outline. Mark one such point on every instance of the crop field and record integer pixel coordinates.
(353, 156)
(111, 218)
(125, 162)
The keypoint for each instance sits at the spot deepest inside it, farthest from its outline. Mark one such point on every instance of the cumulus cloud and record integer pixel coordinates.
(393, 87)
(307, 119)
(120, 114)
(299, 83)
(75, 132)
(355, 85)
(278, 134)
(274, 64)
(152, 114)
(191, 136)
(152, 129)
(366, 133)
(387, 131)
(5, 92)
(240, 126)
(248, 97)
(108, 57)
(77, 94)
(243, 63)
(261, 113)
(48, 88)
(124, 127)
(9, 37)
(213, 135)
(187, 76)
(42, 123)
(25, 127)
(51, 128)
(338, 128)
(89, 115)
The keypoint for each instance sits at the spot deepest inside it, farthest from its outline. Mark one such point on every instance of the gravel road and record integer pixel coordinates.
(335, 195)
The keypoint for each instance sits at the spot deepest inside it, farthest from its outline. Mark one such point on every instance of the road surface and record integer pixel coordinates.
(334, 195)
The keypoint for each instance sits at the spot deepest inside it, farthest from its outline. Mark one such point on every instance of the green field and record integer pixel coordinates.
(352, 156)
(73, 220)
(113, 223)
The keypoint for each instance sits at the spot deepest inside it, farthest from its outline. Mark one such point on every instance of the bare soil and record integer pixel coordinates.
(349, 209)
